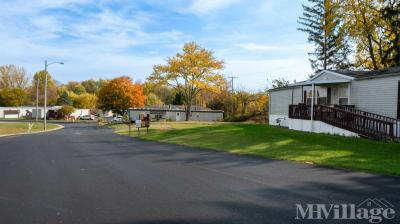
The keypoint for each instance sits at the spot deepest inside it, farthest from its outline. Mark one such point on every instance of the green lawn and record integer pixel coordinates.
(279, 143)
(22, 127)
(13, 119)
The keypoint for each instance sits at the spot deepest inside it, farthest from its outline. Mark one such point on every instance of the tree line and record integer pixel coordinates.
(191, 77)
(356, 34)
(17, 90)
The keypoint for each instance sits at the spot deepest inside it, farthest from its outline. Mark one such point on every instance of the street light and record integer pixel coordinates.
(45, 89)
(37, 98)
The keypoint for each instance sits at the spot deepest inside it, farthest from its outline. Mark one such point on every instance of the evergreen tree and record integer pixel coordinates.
(64, 99)
(322, 21)
(280, 82)
(178, 100)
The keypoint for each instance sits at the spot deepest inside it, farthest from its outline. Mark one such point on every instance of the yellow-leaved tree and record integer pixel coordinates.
(191, 72)
(374, 25)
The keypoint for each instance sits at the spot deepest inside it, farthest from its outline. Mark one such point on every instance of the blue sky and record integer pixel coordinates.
(257, 39)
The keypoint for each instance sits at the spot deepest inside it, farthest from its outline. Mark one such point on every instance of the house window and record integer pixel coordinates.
(343, 101)
(309, 97)
(320, 96)
(343, 95)
(322, 101)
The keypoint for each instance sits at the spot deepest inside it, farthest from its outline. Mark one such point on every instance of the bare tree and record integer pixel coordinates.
(13, 77)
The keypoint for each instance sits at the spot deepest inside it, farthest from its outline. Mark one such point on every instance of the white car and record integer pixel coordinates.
(117, 119)
(87, 117)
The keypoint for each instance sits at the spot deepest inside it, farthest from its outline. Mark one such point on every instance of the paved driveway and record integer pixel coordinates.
(86, 174)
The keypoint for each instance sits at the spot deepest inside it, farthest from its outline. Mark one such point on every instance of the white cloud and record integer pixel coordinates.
(266, 7)
(60, 3)
(275, 47)
(103, 41)
(257, 47)
(207, 6)
(21, 7)
(81, 62)
(97, 44)
(257, 74)
(108, 28)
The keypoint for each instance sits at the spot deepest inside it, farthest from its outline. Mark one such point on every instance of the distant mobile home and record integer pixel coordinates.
(30, 112)
(176, 113)
(352, 103)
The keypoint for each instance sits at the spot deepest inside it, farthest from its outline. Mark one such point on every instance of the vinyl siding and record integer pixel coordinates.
(196, 116)
(281, 99)
(377, 95)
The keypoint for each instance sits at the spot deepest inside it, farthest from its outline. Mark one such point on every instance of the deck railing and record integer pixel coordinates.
(368, 114)
(376, 127)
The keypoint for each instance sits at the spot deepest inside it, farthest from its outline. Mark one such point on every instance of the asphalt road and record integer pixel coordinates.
(86, 174)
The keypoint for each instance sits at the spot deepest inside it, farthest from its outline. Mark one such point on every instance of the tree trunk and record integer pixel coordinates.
(371, 52)
(370, 44)
(243, 109)
(188, 104)
(188, 111)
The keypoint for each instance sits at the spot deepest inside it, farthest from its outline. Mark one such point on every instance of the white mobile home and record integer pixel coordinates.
(30, 112)
(353, 103)
(176, 113)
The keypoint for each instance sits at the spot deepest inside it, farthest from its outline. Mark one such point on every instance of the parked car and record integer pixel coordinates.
(117, 119)
(87, 117)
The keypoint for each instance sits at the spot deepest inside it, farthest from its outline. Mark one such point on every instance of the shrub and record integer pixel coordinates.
(66, 110)
(237, 118)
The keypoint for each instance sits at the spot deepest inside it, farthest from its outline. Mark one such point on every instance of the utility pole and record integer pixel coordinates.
(37, 98)
(45, 95)
(232, 90)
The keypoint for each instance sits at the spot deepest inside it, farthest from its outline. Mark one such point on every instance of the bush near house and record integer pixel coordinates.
(66, 111)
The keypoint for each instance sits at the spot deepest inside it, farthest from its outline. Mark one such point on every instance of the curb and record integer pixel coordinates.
(36, 132)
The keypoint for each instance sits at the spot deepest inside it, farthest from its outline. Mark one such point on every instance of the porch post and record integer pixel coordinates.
(312, 106)
(349, 94)
(292, 94)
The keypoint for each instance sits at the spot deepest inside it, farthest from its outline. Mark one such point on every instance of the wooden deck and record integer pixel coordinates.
(365, 124)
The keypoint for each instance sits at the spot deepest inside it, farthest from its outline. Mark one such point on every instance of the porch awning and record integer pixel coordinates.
(324, 78)
(325, 82)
